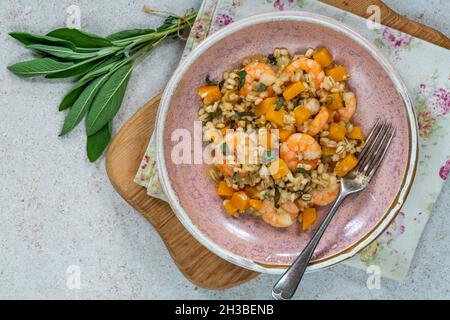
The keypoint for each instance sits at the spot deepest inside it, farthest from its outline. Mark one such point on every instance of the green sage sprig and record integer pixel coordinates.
(102, 67)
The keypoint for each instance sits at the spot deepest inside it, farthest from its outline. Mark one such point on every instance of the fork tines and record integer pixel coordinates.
(376, 146)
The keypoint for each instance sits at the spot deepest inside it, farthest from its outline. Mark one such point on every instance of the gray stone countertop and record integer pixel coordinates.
(57, 210)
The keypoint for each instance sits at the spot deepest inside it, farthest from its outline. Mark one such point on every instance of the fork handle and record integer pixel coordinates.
(285, 288)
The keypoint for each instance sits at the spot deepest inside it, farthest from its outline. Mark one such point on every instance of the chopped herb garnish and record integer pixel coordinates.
(280, 102)
(272, 59)
(221, 83)
(300, 170)
(209, 82)
(224, 149)
(276, 199)
(270, 156)
(235, 175)
(245, 114)
(216, 113)
(261, 88)
(242, 75)
(329, 101)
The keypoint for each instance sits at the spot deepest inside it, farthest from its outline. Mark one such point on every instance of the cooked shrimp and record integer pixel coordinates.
(309, 65)
(313, 105)
(257, 71)
(299, 145)
(349, 110)
(322, 197)
(281, 217)
(320, 120)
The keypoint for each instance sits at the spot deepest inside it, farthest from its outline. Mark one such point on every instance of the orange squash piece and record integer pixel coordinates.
(309, 217)
(276, 117)
(336, 132)
(293, 90)
(278, 169)
(323, 57)
(209, 94)
(346, 165)
(301, 115)
(265, 105)
(240, 200)
(224, 190)
(338, 73)
(252, 192)
(355, 134)
(255, 204)
(229, 208)
(328, 151)
(334, 101)
(284, 134)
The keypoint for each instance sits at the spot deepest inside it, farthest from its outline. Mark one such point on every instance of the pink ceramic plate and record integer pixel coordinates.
(247, 241)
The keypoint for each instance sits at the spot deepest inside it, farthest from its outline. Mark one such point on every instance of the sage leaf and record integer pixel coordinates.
(242, 74)
(75, 70)
(126, 34)
(108, 100)
(97, 143)
(70, 98)
(276, 199)
(102, 68)
(30, 39)
(62, 52)
(82, 104)
(80, 39)
(38, 67)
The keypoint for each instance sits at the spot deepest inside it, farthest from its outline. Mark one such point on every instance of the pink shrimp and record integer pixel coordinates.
(309, 65)
(316, 125)
(349, 110)
(299, 144)
(257, 71)
(281, 217)
(322, 197)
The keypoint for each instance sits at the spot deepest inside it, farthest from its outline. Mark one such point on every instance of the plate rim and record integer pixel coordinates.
(396, 203)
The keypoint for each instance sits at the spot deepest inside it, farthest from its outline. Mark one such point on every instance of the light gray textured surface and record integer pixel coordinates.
(58, 210)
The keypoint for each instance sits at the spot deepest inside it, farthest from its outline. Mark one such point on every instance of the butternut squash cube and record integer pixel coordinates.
(209, 94)
(336, 132)
(255, 204)
(328, 151)
(323, 57)
(224, 190)
(252, 192)
(285, 134)
(293, 90)
(334, 101)
(309, 216)
(229, 208)
(301, 115)
(265, 105)
(240, 200)
(355, 134)
(338, 73)
(276, 117)
(278, 169)
(346, 165)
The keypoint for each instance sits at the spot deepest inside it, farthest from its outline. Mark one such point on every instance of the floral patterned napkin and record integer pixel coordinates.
(424, 67)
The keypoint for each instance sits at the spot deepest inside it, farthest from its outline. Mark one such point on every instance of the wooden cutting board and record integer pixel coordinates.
(199, 265)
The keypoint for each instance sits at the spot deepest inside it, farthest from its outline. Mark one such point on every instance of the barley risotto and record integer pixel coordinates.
(283, 135)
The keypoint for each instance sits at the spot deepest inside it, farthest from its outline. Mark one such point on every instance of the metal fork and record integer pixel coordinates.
(369, 161)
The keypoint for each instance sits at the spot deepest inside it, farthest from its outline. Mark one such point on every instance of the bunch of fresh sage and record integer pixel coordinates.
(102, 67)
